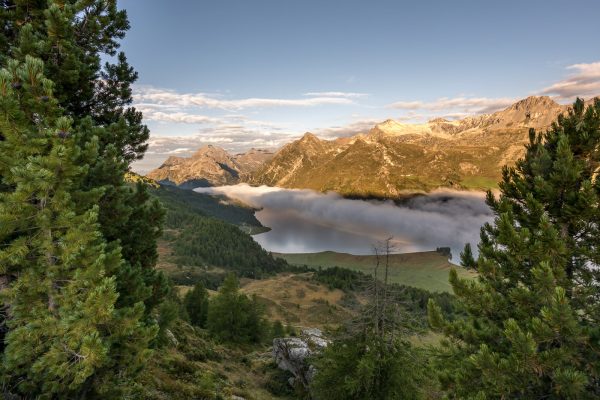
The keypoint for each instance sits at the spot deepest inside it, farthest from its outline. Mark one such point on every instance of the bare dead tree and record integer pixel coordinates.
(376, 290)
(383, 315)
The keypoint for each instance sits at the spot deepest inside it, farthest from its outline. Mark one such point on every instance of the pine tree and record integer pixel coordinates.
(277, 330)
(66, 337)
(196, 305)
(367, 367)
(168, 313)
(532, 329)
(466, 257)
(233, 317)
(71, 37)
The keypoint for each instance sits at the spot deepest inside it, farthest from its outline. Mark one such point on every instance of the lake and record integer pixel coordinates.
(305, 221)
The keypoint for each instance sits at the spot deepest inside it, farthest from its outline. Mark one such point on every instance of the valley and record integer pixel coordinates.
(315, 209)
(309, 200)
(302, 291)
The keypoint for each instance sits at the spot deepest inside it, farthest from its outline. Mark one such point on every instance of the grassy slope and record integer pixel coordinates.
(426, 270)
(198, 368)
(294, 299)
(195, 367)
(297, 300)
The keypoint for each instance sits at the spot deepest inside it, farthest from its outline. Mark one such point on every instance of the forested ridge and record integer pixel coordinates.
(180, 203)
(205, 232)
(206, 241)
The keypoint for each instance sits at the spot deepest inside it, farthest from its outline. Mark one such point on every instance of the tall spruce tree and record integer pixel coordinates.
(466, 257)
(71, 37)
(234, 317)
(66, 337)
(532, 329)
(196, 304)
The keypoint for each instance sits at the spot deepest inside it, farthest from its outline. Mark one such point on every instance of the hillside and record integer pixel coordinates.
(299, 300)
(425, 270)
(198, 246)
(393, 158)
(210, 233)
(209, 166)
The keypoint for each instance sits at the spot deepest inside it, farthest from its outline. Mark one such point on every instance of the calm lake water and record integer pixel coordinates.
(307, 221)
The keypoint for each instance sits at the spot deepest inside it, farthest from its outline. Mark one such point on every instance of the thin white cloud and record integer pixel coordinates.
(466, 105)
(217, 139)
(351, 129)
(180, 150)
(408, 105)
(177, 117)
(584, 81)
(163, 97)
(336, 94)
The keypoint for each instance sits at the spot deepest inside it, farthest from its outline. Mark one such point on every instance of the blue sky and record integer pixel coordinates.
(247, 73)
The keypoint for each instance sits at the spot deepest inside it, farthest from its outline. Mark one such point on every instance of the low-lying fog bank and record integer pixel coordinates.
(309, 221)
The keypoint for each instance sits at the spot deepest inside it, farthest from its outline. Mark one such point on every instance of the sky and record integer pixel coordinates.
(259, 73)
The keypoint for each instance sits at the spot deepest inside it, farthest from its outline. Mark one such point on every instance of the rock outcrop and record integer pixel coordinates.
(291, 354)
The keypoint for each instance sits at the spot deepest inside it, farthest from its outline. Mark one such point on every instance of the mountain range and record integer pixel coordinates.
(390, 160)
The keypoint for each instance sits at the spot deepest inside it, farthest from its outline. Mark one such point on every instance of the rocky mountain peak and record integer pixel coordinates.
(309, 137)
(534, 103)
(389, 125)
(209, 150)
(309, 142)
(252, 159)
(255, 151)
(172, 160)
(532, 112)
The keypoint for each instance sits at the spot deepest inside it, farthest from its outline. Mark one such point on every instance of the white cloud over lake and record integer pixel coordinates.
(305, 220)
